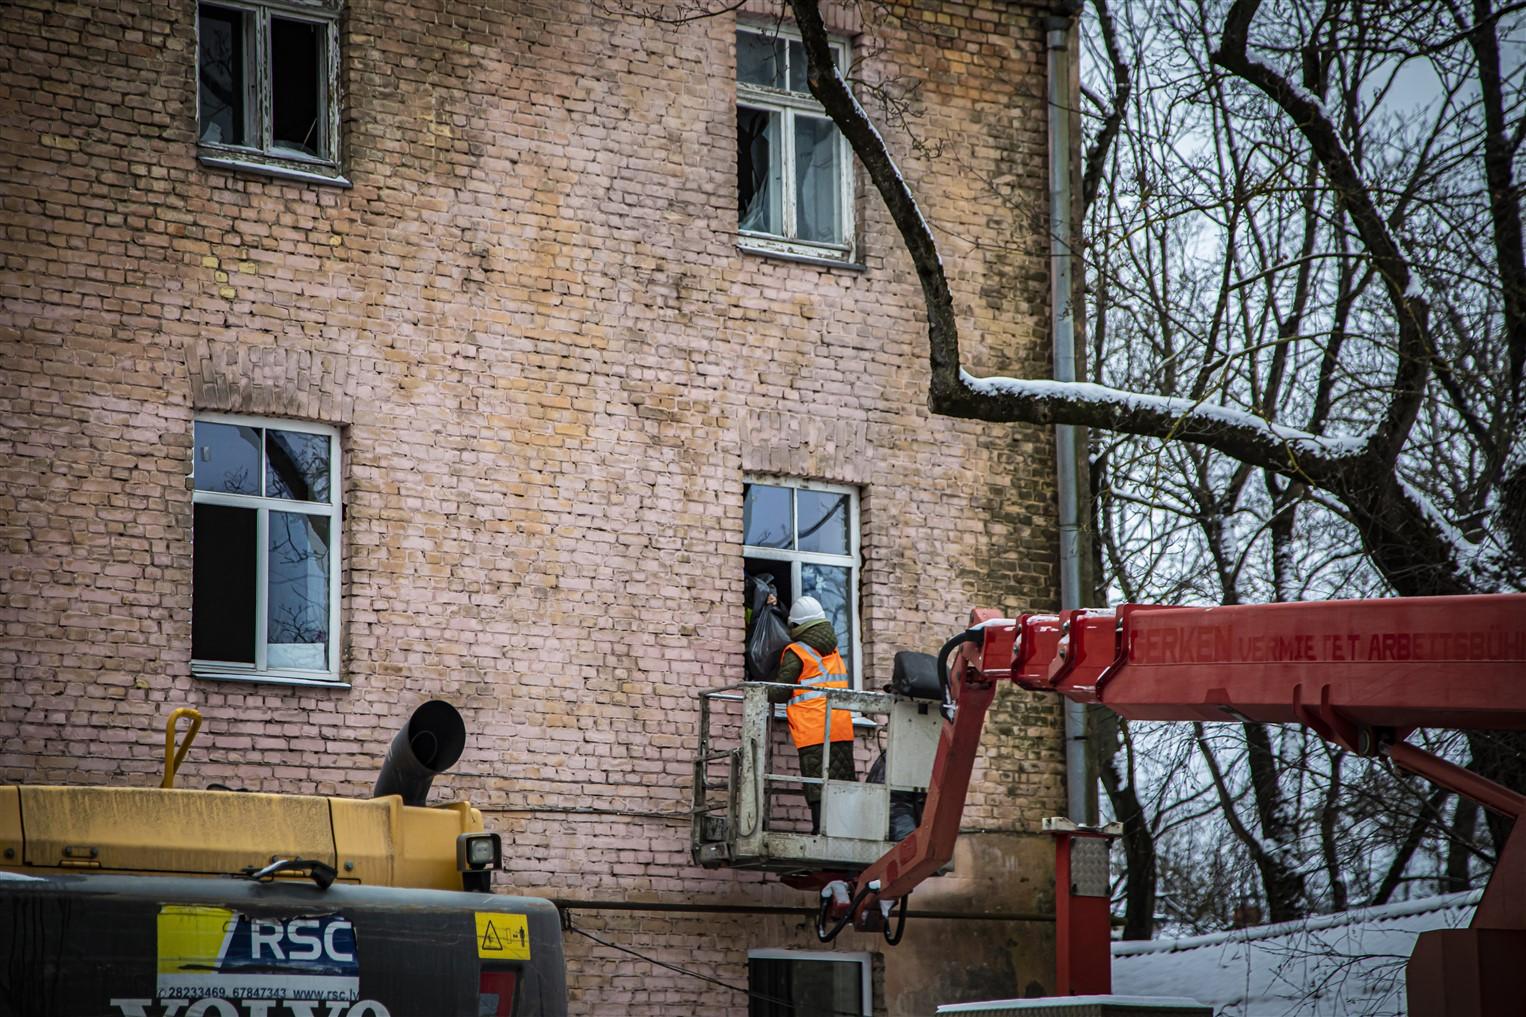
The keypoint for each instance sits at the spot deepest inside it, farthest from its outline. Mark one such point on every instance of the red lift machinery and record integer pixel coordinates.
(1363, 674)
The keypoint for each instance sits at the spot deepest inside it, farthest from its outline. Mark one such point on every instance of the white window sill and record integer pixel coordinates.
(807, 254)
(267, 678)
(238, 162)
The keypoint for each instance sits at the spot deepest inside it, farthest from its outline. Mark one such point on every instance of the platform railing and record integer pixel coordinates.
(748, 809)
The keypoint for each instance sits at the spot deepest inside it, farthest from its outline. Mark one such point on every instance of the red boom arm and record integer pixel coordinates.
(1363, 673)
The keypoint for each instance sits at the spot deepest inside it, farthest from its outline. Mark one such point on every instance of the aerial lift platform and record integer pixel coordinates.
(1361, 673)
(747, 796)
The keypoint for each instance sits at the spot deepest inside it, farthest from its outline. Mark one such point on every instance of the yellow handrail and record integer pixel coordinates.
(173, 757)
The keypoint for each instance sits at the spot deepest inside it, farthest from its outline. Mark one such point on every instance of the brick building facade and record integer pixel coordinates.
(519, 305)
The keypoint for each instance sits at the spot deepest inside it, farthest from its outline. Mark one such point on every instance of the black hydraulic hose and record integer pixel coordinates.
(900, 925)
(967, 636)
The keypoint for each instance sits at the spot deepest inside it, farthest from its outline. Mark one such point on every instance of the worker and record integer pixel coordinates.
(811, 663)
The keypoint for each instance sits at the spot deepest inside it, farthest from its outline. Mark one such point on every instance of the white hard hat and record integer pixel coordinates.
(806, 609)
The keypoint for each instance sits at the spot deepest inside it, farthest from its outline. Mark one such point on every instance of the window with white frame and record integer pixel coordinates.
(268, 85)
(794, 177)
(807, 983)
(265, 550)
(805, 536)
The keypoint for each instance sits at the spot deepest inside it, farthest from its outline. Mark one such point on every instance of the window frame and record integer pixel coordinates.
(333, 510)
(853, 561)
(261, 155)
(864, 960)
(787, 104)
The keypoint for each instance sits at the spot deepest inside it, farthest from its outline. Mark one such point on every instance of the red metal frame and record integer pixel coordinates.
(1362, 673)
(929, 847)
(1082, 927)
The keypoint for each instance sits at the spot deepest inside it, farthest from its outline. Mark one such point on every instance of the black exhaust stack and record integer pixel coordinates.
(428, 745)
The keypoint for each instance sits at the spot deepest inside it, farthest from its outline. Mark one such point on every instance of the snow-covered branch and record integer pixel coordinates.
(1250, 439)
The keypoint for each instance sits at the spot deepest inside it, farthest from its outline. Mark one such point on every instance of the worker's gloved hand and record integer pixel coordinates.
(837, 890)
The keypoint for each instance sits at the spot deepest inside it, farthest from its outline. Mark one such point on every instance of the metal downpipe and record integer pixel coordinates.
(1061, 296)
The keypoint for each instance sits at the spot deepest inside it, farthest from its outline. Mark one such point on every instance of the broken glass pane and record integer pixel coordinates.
(298, 609)
(829, 585)
(227, 458)
(220, 74)
(817, 180)
(766, 519)
(760, 184)
(823, 522)
(296, 465)
(223, 547)
(760, 59)
(296, 86)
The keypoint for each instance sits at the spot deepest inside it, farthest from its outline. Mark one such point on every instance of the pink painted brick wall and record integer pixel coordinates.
(552, 369)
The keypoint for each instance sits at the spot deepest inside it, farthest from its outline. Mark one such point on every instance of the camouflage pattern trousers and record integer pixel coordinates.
(810, 766)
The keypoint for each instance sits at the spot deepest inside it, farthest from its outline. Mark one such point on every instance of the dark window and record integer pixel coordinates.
(760, 59)
(767, 517)
(759, 189)
(268, 85)
(793, 167)
(223, 76)
(296, 86)
(804, 537)
(296, 465)
(823, 521)
(265, 550)
(298, 613)
(818, 183)
(786, 987)
(222, 583)
(227, 458)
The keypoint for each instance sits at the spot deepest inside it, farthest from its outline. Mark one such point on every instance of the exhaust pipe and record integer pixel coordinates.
(428, 745)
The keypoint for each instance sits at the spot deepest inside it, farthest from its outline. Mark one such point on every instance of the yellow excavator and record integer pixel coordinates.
(172, 902)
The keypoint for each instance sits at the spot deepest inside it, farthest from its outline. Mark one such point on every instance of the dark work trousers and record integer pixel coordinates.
(810, 766)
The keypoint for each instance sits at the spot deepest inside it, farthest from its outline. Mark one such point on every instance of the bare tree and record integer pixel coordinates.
(1366, 465)
(1283, 406)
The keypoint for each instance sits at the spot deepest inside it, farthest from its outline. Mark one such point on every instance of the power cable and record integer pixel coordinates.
(704, 978)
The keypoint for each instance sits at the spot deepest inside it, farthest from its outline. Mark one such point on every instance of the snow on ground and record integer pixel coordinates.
(1345, 964)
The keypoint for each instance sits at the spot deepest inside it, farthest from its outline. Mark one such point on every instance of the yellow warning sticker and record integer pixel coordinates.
(502, 937)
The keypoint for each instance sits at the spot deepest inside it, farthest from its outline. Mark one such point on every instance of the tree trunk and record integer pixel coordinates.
(1138, 840)
(1459, 872)
(1278, 862)
(1328, 814)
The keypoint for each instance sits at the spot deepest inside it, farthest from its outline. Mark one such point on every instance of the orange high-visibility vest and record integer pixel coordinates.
(807, 710)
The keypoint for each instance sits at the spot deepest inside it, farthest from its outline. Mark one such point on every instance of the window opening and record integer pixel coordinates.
(223, 77)
(265, 568)
(296, 86)
(794, 185)
(268, 85)
(805, 536)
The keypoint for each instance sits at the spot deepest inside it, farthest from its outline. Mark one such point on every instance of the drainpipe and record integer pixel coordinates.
(1062, 304)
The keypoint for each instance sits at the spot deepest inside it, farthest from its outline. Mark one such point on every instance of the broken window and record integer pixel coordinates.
(794, 188)
(267, 86)
(264, 562)
(805, 538)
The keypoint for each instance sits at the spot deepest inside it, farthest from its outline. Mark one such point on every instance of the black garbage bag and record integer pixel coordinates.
(767, 630)
(905, 806)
